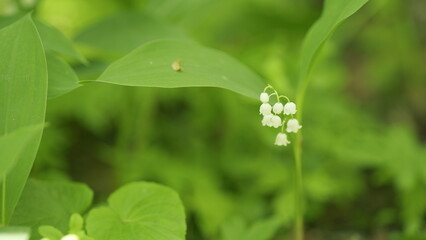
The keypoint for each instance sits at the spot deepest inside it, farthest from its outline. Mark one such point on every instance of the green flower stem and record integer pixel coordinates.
(297, 147)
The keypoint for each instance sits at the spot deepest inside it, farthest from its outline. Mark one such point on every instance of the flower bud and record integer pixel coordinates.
(264, 97)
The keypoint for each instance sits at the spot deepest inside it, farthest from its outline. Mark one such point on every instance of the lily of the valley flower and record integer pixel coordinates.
(276, 121)
(264, 97)
(267, 120)
(281, 139)
(290, 108)
(275, 114)
(265, 109)
(293, 125)
(278, 108)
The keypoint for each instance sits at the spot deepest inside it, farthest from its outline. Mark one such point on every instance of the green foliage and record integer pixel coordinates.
(120, 34)
(151, 66)
(139, 211)
(23, 89)
(12, 144)
(236, 229)
(363, 129)
(55, 201)
(333, 14)
(62, 78)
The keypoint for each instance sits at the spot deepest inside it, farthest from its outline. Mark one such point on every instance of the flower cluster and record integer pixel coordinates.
(278, 115)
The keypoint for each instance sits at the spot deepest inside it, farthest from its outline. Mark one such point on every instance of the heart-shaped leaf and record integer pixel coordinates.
(137, 211)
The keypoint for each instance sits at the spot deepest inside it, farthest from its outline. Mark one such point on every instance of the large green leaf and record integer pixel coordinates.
(50, 203)
(23, 92)
(62, 78)
(124, 32)
(12, 144)
(139, 211)
(334, 13)
(151, 66)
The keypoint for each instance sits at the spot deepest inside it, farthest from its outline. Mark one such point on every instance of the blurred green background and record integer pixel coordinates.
(364, 121)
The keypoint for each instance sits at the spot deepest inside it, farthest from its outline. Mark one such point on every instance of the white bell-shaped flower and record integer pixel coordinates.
(265, 109)
(278, 108)
(281, 139)
(276, 121)
(290, 108)
(267, 120)
(293, 125)
(70, 237)
(264, 97)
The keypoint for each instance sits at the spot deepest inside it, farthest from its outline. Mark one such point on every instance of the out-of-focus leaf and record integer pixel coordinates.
(139, 210)
(151, 66)
(55, 41)
(50, 203)
(334, 13)
(23, 93)
(12, 144)
(62, 78)
(124, 32)
(236, 229)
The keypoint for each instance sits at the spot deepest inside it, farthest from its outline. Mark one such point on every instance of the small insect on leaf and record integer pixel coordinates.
(176, 65)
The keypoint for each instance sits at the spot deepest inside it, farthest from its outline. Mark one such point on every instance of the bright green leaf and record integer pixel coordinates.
(139, 211)
(51, 203)
(23, 92)
(334, 13)
(124, 32)
(76, 223)
(151, 66)
(62, 78)
(50, 232)
(12, 144)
